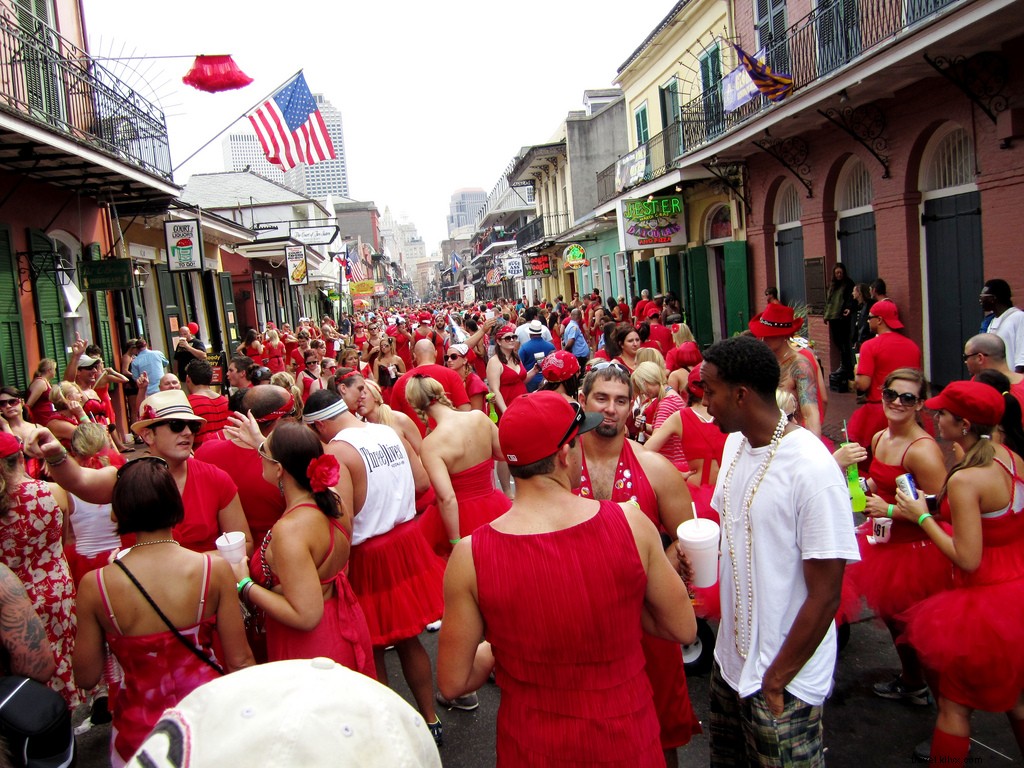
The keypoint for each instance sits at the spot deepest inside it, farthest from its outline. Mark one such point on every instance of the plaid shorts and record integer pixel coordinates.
(745, 733)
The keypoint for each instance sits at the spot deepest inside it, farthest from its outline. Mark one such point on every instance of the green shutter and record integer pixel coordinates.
(227, 299)
(699, 291)
(737, 293)
(102, 335)
(13, 370)
(169, 302)
(49, 299)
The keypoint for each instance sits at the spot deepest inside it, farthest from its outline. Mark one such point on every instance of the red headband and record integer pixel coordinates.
(285, 410)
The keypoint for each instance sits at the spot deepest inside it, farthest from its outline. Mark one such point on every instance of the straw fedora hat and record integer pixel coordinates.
(165, 406)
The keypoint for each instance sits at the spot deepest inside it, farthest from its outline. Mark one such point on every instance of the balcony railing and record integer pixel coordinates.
(48, 80)
(654, 158)
(831, 36)
(543, 226)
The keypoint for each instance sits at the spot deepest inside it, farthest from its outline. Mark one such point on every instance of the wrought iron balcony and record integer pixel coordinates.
(835, 34)
(50, 82)
(654, 158)
(542, 227)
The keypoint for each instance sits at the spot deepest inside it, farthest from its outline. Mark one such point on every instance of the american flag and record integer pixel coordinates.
(357, 268)
(290, 127)
(456, 263)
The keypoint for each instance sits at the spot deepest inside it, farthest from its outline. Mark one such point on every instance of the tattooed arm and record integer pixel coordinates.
(24, 639)
(805, 378)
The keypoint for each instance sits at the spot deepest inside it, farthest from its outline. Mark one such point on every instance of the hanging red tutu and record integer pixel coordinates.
(214, 74)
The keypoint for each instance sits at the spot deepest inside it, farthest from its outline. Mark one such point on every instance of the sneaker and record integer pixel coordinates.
(895, 689)
(437, 731)
(100, 711)
(466, 703)
(923, 751)
(434, 626)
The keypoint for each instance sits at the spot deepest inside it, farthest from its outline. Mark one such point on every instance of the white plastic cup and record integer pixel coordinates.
(231, 546)
(538, 356)
(699, 539)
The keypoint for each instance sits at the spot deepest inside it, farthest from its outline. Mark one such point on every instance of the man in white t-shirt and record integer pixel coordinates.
(787, 533)
(1005, 320)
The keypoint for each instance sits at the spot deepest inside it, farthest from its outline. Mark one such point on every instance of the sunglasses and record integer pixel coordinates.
(905, 398)
(453, 356)
(10, 401)
(574, 426)
(965, 357)
(508, 338)
(147, 459)
(262, 451)
(177, 426)
(311, 363)
(601, 365)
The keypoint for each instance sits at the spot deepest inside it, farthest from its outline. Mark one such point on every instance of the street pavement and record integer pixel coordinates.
(861, 730)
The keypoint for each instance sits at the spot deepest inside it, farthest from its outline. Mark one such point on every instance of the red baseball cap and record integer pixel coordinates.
(978, 403)
(693, 385)
(535, 426)
(10, 445)
(559, 366)
(652, 310)
(887, 312)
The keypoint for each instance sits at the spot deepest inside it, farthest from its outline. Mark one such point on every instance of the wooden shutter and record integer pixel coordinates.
(102, 334)
(699, 294)
(737, 292)
(13, 369)
(48, 298)
(227, 298)
(169, 302)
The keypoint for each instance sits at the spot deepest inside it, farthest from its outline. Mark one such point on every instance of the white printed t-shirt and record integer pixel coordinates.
(801, 511)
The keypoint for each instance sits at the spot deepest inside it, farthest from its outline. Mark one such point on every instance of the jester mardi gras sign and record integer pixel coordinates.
(656, 222)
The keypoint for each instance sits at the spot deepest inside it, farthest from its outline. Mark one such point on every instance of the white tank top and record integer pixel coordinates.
(390, 489)
(94, 531)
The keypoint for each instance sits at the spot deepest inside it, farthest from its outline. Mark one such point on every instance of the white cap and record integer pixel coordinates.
(304, 712)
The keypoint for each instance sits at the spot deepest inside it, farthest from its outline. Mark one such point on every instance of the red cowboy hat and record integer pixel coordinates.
(776, 320)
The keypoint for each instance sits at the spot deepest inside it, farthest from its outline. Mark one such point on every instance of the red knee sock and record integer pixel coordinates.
(1017, 726)
(951, 749)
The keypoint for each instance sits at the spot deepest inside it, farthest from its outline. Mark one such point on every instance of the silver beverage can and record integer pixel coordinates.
(906, 484)
(881, 529)
(864, 485)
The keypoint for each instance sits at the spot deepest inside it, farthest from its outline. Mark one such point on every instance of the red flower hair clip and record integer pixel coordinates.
(148, 412)
(323, 473)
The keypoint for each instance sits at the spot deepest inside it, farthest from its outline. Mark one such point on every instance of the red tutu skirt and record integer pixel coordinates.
(894, 575)
(849, 600)
(398, 581)
(972, 638)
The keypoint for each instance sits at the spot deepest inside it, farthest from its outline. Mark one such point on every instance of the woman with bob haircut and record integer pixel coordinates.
(297, 574)
(160, 629)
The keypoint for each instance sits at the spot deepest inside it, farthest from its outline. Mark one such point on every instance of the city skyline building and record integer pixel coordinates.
(464, 205)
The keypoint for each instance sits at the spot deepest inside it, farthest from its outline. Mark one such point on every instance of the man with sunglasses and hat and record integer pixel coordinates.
(620, 470)
(879, 357)
(167, 427)
(799, 376)
(558, 586)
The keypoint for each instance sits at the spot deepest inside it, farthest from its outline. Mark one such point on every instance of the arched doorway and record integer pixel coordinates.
(954, 269)
(789, 246)
(856, 222)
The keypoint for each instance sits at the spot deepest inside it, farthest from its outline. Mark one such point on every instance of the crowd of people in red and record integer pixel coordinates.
(349, 459)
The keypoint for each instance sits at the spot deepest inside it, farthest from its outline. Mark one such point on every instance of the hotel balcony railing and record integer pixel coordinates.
(543, 226)
(49, 81)
(833, 35)
(654, 158)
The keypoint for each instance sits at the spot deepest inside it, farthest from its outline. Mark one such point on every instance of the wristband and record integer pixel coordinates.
(890, 510)
(453, 542)
(56, 462)
(243, 583)
(922, 518)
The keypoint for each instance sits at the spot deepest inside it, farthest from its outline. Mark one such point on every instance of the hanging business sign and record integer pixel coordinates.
(537, 265)
(654, 222)
(314, 235)
(184, 245)
(379, 289)
(493, 276)
(514, 267)
(575, 256)
(105, 275)
(361, 288)
(469, 294)
(298, 269)
(631, 168)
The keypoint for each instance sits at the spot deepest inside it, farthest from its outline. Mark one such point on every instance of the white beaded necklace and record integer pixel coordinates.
(743, 643)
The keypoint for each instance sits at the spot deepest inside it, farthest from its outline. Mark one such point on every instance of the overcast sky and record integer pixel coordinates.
(434, 96)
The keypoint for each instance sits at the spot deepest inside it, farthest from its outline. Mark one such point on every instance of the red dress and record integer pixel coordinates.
(512, 383)
(341, 635)
(479, 501)
(30, 543)
(42, 410)
(896, 574)
(275, 356)
(567, 650)
(159, 671)
(972, 634)
(664, 659)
